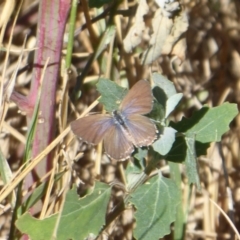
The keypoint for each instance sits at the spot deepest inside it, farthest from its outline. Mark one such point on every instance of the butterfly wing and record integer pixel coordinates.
(93, 128)
(138, 100)
(142, 130)
(117, 144)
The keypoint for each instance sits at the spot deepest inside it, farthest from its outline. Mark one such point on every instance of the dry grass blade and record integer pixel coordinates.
(227, 218)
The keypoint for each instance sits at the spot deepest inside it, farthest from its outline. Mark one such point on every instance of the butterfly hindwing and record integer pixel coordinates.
(116, 143)
(142, 130)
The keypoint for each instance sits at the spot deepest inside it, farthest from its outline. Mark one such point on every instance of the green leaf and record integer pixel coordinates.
(161, 98)
(35, 228)
(208, 124)
(205, 126)
(111, 94)
(172, 102)
(164, 144)
(158, 111)
(134, 173)
(87, 215)
(79, 218)
(156, 203)
(180, 222)
(141, 153)
(97, 3)
(179, 149)
(165, 93)
(163, 83)
(191, 162)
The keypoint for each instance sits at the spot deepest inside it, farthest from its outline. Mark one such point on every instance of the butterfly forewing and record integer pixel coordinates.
(142, 130)
(116, 143)
(93, 128)
(139, 99)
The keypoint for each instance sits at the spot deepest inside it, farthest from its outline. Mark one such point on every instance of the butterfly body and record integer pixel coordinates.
(125, 127)
(119, 118)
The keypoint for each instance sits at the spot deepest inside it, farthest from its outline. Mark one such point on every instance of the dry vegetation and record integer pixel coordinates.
(209, 74)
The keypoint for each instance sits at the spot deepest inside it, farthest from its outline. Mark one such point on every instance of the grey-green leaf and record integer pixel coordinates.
(208, 124)
(156, 203)
(87, 215)
(172, 102)
(79, 218)
(191, 161)
(35, 228)
(164, 144)
(111, 94)
(162, 82)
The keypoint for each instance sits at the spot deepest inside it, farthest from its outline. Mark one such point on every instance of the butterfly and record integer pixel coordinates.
(123, 129)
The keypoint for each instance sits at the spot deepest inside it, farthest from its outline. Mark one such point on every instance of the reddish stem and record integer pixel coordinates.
(52, 19)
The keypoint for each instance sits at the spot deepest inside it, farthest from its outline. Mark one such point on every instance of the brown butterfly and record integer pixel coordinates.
(125, 127)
